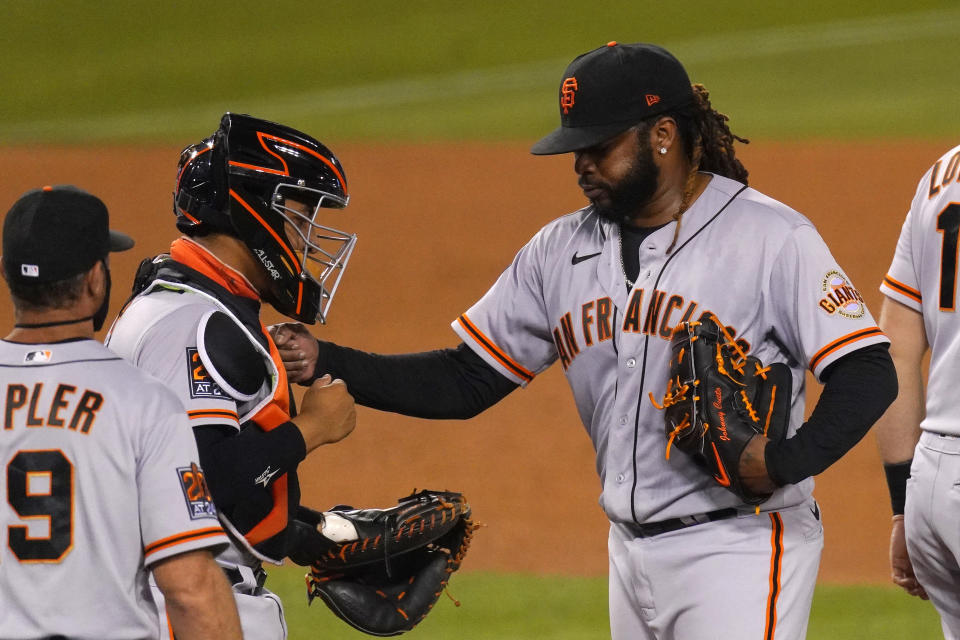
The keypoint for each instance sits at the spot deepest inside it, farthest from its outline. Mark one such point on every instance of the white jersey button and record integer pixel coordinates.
(621, 477)
(632, 362)
(623, 419)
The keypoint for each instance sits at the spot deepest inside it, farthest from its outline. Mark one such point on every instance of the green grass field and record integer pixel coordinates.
(139, 71)
(136, 70)
(524, 607)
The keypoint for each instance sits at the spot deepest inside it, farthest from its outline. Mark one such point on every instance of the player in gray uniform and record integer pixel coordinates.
(249, 200)
(918, 439)
(101, 483)
(672, 233)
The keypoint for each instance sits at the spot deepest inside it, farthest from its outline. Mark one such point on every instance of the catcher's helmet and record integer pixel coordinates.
(266, 184)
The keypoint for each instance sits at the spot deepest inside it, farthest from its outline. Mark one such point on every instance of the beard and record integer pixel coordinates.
(635, 189)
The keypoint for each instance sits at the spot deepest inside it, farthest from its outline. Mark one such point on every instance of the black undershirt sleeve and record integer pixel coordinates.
(233, 461)
(446, 383)
(858, 388)
(457, 383)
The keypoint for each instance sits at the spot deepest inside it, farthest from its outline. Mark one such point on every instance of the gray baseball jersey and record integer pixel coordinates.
(101, 480)
(923, 276)
(756, 264)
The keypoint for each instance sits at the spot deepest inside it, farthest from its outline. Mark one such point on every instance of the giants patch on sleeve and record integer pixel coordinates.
(840, 298)
(196, 492)
(201, 384)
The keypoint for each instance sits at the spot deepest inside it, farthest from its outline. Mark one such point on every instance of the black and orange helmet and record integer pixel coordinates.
(266, 184)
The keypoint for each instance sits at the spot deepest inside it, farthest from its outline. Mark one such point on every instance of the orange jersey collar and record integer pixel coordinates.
(186, 251)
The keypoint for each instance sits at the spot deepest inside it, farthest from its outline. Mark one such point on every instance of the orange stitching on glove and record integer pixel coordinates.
(749, 407)
(773, 397)
(676, 430)
(672, 398)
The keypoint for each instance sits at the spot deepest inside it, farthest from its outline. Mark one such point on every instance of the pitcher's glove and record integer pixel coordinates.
(382, 570)
(718, 398)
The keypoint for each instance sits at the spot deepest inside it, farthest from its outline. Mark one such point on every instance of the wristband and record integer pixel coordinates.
(897, 475)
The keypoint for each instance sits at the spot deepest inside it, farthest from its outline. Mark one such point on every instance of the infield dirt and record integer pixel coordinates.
(437, 224)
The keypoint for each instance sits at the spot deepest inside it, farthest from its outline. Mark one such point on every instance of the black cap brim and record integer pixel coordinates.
(120, 241)
(567, 139)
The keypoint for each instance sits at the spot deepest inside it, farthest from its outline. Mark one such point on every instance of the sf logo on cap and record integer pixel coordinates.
(567, 91)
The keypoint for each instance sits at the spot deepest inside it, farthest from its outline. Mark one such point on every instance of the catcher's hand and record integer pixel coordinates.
(718, 398)
(382, 570)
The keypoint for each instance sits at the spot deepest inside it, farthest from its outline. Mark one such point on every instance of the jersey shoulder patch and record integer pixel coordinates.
(230, 357)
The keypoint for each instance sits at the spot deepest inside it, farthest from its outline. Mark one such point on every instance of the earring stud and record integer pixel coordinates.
(663, 151)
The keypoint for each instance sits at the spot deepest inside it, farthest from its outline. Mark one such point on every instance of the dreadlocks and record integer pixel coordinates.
(708, 144)
(714, 139)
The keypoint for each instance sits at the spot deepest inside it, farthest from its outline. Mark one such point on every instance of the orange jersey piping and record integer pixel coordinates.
(495, 351)
(182, 538)
(842, 342)
(776, 568)
(212, 413)
(899, 287)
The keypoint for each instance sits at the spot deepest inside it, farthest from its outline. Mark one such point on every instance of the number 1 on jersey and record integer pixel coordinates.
(948, 223)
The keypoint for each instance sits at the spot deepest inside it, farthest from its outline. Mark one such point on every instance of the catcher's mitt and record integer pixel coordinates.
(382, 570)
(718, 398)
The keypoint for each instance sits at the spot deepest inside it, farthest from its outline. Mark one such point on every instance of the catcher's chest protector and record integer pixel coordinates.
(177, 294)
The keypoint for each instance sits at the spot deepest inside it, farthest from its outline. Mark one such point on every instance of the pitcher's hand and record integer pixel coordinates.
(298, 350)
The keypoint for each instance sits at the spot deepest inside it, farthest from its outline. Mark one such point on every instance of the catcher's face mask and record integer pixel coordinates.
(281, 185)
(322, 250)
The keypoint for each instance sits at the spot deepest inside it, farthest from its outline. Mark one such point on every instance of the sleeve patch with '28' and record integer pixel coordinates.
(201, 384)
(196, 492)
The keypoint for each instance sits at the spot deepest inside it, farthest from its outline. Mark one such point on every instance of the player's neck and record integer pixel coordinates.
(61, 325)
(666, 201)
(235, 255)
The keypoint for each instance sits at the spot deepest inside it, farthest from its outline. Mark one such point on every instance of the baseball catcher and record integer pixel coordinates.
(382, 570)
(718, 398)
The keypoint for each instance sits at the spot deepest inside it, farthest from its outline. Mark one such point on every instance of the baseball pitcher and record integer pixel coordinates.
(684, 308)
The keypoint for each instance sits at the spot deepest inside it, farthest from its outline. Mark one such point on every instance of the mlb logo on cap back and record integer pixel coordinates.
(606, 91)
(57, 232)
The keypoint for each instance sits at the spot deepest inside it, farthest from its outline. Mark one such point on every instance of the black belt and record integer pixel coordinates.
(235, 577)
(649, 529)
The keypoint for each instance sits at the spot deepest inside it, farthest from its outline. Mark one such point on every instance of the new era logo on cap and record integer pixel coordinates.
(615, 87)
(30, 270)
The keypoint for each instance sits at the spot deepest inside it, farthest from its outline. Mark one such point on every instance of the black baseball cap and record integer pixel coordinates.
(53, 233)
(606, 91)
